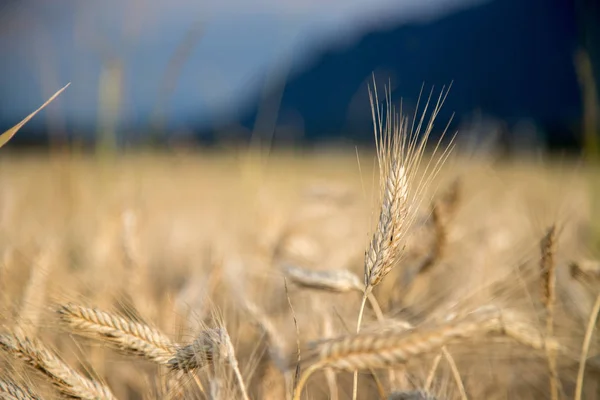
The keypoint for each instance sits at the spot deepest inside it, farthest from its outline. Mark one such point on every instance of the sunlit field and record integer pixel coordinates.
(222, 276)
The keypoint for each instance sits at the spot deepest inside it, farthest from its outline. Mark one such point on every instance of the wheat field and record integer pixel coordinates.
(151, 276)
(411, 272)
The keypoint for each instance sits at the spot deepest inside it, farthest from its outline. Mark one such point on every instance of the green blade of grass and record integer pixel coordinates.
(6, 136)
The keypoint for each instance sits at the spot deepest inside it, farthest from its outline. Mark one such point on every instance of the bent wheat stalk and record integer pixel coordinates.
(337, 281)
(383, 350)
(128, 336)
(67, 380)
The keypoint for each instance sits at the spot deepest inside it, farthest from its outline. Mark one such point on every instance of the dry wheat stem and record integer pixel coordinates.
(548, 283)
(455, 373)
(232, 359)
(432, 371)
(66, 379)
(330, 375)
(9, 390)
(128, 336)
(586, 347)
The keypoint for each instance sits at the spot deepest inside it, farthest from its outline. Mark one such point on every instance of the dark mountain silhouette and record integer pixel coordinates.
(509, 59)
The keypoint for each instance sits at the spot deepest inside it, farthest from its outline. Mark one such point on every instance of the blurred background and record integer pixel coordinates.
(224, 73)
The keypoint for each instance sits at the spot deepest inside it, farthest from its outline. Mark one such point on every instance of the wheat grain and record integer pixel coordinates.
(399, 153)
(9, 390)
(203, 351)
(128, 336)
(66, 379)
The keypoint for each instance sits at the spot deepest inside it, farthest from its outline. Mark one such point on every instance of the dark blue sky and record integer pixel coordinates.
(47, 44)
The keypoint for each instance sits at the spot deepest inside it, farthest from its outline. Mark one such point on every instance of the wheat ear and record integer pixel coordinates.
(399, 153)
(337, 281)
(211, 345)
(66, 379)
(207, 347)
(383, 350)
(9, 390)
(128, 336)
(548, 287)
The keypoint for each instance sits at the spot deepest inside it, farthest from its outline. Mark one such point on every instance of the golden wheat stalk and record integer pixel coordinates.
(384, 350)
(9, 390)
(66, 379)
(126, 335)
(585, 348)
(399, 153)
(548, 289)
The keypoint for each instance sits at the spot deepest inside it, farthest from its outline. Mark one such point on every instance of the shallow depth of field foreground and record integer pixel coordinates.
(232, 277)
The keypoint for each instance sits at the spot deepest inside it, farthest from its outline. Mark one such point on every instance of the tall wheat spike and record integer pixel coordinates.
(63, 377)
(129, 336)
(399, 154)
